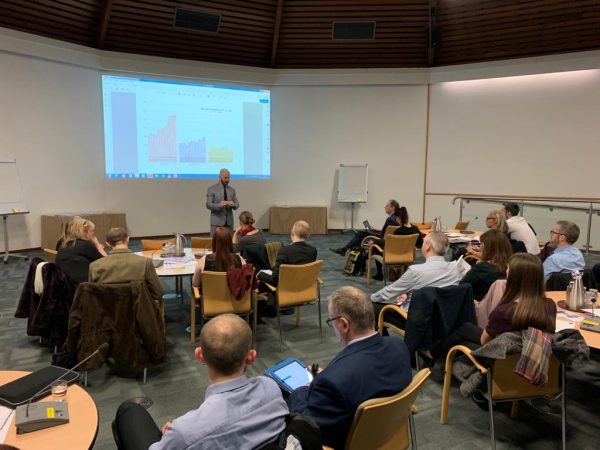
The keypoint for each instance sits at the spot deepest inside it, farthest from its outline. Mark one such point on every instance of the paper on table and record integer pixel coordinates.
(569, 316)
(595, 312)
(5, 421)
(564, 325)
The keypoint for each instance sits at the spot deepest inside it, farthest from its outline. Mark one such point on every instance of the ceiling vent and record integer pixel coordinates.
(189, 19)
(353, 31)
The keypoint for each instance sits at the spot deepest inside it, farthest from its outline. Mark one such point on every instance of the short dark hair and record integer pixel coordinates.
(226, 341)
(116, 235)
(512, 208)
(354, 304)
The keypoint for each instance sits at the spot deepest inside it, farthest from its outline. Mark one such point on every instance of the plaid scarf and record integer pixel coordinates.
(535, 356)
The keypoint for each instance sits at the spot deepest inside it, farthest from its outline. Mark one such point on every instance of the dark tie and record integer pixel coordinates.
(225, 192)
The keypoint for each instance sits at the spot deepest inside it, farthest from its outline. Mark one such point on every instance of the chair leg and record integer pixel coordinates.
(385, 274)
(254, 318)
(193, 320)
(280, 335)
(319, 311)
(563, 407)
(446, 391)
(417, 362)
(514, 410)
(368, 271)
(145, 373)
(85, 378)
(491, 410)
(412, 431)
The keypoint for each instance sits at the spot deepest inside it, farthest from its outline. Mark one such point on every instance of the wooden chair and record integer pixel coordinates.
(398, 251)
(503, 385)
(155, 244)
(298, 285)
(386, 423)
(216, 299)
(461, 226)
(382, 323)
(272, 250)
(50, 254)
(201, 242)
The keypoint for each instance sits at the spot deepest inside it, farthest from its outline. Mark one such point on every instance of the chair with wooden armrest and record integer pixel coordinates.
(298, 285)
(461, 226)
(50, 254)
(382, 323)
(201, 242)
(155, 244)
(398, 251)
(387, 423)
(216, 299)
(503, 385)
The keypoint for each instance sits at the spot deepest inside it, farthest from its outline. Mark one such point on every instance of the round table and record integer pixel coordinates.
(79, 433)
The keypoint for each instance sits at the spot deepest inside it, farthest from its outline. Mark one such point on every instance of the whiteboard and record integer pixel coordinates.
(352, 183)
(11, 193)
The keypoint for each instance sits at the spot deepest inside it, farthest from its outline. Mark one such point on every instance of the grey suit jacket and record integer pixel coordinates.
(220, 215)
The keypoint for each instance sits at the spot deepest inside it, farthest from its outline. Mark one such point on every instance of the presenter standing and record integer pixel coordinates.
(221, 200)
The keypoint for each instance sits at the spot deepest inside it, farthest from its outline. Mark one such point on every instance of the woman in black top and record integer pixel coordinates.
(222, 257)
(78, 247)
(495, 250)
(405, 229)
(246, 234)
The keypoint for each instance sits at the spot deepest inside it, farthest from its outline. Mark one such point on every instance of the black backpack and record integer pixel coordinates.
(356, 262)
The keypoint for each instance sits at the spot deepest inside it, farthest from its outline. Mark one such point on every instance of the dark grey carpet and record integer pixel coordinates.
(179, 384)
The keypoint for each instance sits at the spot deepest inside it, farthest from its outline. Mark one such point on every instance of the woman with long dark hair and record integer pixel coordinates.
(495, 251)
(222, 257)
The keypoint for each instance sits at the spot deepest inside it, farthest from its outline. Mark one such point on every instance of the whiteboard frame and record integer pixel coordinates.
(361, 197)
(19, 207)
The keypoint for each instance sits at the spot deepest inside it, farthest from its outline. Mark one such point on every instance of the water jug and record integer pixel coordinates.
(437, 224)
(576, 299)
(179, 244)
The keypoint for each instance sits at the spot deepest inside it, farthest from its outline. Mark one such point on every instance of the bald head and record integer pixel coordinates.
(301, 230)
(225, 342)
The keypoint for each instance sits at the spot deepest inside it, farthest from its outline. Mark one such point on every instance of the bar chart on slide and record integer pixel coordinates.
(163, 130)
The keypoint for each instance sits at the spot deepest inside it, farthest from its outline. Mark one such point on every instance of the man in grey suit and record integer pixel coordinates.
(221, 200)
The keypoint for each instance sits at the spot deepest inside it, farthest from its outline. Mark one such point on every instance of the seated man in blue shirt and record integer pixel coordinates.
(369, 366)
(238, 412)
(566, 257)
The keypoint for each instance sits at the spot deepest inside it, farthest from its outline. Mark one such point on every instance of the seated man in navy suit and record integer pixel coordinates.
(370, 366)
(298, 252)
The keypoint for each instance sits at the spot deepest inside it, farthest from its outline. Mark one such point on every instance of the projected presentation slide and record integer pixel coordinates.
(166, 129)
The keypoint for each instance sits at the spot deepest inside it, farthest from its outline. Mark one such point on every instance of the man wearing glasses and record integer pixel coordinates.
(566, 257)
(369, 366)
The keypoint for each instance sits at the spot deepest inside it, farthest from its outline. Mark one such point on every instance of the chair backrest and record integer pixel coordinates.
(201, 242)
(50, 254)
(461, 226)
(272, 250)
(298, 283)
(155, 244)
(218, 299)
(399, 249)
(382, 423)
(507, 385)
(391, 228)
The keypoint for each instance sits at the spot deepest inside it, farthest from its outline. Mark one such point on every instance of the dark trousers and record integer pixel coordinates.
(134, 428)
(467, 334)
(357, 239)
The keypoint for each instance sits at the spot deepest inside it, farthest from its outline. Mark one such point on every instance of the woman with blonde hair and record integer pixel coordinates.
(246, 234)
(78, 247)
(222, 257)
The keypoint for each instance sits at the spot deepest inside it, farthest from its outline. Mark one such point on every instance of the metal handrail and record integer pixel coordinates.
(590, 209)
